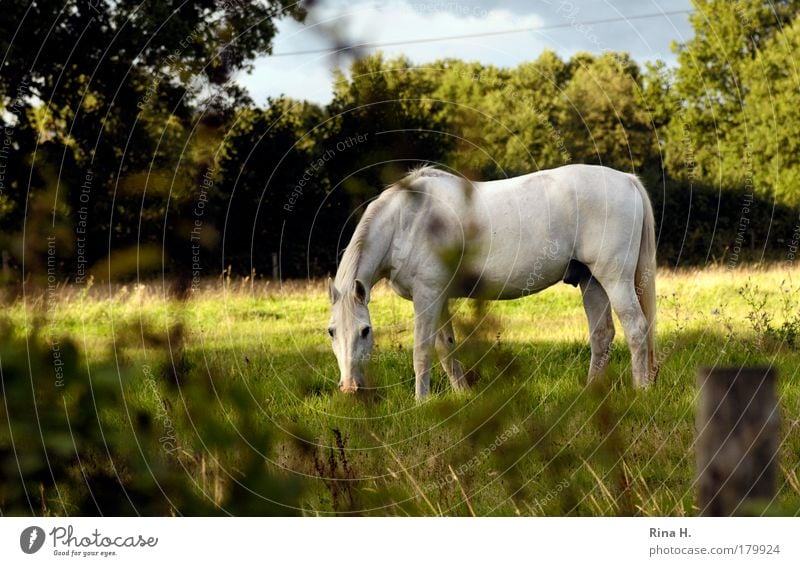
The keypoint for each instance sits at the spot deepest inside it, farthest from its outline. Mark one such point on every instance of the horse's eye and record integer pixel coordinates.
(330, 332)
(365, 332)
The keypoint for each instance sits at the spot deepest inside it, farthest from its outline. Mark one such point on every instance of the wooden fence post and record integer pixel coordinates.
(737, 438)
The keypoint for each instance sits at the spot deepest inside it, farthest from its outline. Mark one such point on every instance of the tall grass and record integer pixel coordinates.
(227, 403)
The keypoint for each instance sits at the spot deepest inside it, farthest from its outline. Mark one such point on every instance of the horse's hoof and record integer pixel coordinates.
(348, 388)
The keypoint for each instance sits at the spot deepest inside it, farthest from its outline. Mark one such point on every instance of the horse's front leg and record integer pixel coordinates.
(426, 319)
(445, 347)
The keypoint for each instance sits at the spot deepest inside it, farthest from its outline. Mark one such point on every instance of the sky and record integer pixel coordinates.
(334, 23)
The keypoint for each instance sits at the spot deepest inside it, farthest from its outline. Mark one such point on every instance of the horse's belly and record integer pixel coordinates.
(512, 273)
(524, 246)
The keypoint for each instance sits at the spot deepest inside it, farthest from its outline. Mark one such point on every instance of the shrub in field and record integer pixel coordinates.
(783, 328)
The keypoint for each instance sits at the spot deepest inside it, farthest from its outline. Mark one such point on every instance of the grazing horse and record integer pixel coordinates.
(437, 236)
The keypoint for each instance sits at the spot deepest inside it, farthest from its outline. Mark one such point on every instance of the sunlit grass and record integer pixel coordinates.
(530, 438)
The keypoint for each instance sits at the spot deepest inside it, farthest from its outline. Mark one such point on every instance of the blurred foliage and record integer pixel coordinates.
(113, 439)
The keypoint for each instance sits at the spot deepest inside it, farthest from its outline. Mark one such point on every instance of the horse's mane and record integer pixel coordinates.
(348, 267)
(423, 171)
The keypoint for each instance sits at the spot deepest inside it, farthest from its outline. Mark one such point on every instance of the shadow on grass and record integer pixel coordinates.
(529, 438)
(263, 432)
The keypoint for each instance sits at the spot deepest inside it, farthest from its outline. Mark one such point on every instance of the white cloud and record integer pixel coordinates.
(399, 20)
(309, 76)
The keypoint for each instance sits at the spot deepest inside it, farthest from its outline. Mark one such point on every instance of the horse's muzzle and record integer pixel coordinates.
(349, 386)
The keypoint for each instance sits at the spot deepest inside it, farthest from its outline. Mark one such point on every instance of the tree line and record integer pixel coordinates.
(126, 142)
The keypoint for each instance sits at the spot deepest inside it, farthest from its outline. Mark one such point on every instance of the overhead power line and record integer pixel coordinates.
(372, 44)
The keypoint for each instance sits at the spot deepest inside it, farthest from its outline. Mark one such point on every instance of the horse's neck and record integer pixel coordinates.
(374, 252)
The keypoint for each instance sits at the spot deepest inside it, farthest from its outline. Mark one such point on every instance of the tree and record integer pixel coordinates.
(100, 100)
(604, 115)
(392, 106)
(709, 136)
(773, 114)
(271, 188)
(527, 136)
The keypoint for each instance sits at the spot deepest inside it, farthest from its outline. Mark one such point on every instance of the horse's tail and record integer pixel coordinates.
(645, 276)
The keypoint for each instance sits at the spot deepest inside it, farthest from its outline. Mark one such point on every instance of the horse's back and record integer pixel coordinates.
(518, 235)
(536, 224)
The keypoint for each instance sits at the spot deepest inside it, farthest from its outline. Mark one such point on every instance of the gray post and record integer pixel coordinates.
(737, 438)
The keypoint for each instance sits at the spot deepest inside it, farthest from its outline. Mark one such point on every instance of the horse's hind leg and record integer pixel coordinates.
(601, 324)
(445, 346)
(625, 302)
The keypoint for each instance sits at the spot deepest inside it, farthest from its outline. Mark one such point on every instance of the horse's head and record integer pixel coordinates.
(351, 333)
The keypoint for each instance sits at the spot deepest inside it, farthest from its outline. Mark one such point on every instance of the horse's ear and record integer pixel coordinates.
(333, 294)
(360, 292)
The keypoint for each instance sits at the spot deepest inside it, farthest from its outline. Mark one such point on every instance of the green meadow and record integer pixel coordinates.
(226, 402)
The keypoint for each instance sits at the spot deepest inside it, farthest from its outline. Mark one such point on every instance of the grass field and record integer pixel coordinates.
(230, 397)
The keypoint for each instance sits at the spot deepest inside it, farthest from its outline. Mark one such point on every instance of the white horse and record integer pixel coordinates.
(436, 236)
